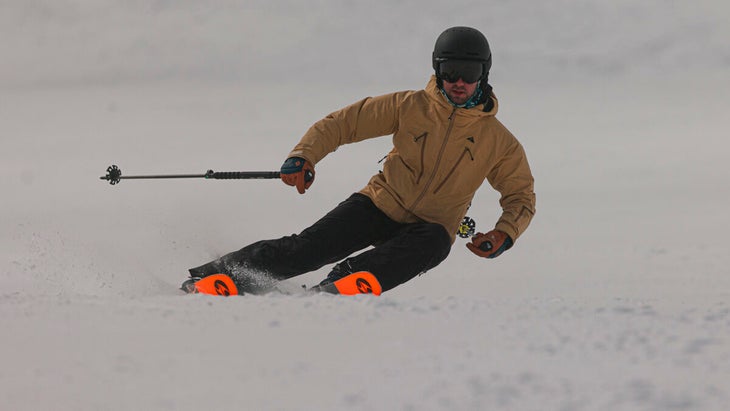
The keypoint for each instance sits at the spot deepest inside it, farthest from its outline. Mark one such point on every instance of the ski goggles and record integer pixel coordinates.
(467, 70)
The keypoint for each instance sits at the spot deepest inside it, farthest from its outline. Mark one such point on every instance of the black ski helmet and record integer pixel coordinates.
(462, 43)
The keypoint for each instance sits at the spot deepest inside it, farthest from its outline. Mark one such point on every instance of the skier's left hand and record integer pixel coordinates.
(491, 244)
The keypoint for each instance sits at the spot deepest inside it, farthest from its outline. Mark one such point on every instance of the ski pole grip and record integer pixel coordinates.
(486, 246)
(238, 175)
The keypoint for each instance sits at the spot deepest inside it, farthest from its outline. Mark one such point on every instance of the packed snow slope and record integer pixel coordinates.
(616, 298)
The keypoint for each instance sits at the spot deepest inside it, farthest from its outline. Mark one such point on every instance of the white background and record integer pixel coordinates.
(616, 298)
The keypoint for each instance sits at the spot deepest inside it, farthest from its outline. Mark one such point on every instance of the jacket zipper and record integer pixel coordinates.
(466, 151)
(438, 162)
(423, 153)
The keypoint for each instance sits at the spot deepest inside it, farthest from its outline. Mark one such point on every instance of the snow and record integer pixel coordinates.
(616, 298)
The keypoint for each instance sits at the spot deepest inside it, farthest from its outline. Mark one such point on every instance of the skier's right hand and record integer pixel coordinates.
(297, 172)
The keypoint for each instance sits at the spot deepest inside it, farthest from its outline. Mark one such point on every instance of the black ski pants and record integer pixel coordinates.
(400, 251)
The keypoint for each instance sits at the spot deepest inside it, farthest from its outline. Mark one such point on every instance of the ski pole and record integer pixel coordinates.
(114, 175)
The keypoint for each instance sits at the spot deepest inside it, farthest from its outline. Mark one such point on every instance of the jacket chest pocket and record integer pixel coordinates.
(412, 153)
(465, 156)
(420, 140)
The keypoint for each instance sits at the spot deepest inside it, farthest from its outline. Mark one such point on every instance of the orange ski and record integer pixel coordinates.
(216, 284)
(362, 282)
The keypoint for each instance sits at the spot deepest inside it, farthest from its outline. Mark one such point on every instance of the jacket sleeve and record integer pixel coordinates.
(368, 118)
(513, 179)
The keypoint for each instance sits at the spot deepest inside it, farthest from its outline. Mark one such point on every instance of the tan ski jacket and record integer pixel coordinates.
(441, 155)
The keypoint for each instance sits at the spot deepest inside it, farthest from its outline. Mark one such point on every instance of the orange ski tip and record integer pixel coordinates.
(217, 284)
(362, 282)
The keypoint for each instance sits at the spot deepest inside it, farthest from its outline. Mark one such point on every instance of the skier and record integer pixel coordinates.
(446, 142)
